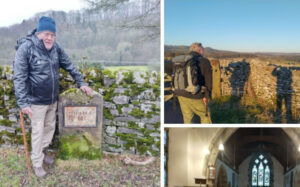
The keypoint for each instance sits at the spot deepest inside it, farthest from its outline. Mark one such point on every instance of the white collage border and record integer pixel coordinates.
(163, 126)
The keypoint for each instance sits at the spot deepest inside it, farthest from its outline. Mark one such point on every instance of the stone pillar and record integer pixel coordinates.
(216, 90)
(80, 114)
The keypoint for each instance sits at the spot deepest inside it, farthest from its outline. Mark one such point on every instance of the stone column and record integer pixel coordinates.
(216, 90)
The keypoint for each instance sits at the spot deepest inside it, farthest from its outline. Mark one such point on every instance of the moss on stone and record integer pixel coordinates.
(109, 93)
(136, 112)
(12, 103)
(15, 139)
(151, 113)
(147, 140)
(127, 93)
(97, 71)
(119, 108)
(8, 89)
(71, 90)
(124, 136)
(1, 103)
(92, 141)
(18, 139)
(96, 86)
(107, 114)
(157, 125)
(1, 140)
(142, 144)
(64, 83)
(76, 146)
(136, 103)
(141, 148)
(109, 74)
(6, 122)
(77, 96)
(18, 129)
(7, 69)
(156, 90)
(130, 139)
(4, 112)
(114, 146)
(154, 108)
(133, 125)
(157, 144)
(128, 77)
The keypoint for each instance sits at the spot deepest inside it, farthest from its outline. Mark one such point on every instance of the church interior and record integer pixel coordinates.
(232, 157)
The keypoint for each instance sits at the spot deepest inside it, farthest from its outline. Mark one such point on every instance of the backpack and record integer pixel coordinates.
(20, 41)
(186, 74)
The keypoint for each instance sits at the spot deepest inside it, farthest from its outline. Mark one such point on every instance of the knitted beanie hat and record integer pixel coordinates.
(46, 23)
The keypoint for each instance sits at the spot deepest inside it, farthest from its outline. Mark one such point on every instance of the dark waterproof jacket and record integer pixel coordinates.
(206, 78)
(36, 72)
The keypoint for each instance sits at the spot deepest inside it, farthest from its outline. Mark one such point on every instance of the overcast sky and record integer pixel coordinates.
(15, 11)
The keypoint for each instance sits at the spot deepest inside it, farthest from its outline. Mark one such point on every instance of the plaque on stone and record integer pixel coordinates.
(80, 116)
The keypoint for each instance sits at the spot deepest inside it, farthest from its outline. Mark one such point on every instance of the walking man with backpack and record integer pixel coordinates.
(36, 82)
(192, 83)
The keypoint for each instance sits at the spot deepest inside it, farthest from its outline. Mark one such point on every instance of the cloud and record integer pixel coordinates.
(15, 11)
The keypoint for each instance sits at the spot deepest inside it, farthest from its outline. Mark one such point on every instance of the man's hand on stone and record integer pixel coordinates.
(86, 90)
(28, 111)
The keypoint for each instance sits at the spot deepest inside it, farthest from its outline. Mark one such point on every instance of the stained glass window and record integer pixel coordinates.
(267, 176)
(254, 175)
(260, 171)
(260, 174)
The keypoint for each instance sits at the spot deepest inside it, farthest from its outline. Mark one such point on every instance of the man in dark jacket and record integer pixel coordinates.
(192, 104)
(36, 83)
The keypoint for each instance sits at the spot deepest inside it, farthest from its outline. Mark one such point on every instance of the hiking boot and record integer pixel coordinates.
(39, 172)
(48, 159)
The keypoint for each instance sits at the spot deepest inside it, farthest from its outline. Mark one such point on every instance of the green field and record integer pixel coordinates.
(136, 68)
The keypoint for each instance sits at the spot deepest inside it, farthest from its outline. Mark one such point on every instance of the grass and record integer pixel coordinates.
(135, 68)
(110, 171)
(228, 109)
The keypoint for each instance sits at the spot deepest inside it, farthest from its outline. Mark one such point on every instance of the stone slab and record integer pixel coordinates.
(87, 114)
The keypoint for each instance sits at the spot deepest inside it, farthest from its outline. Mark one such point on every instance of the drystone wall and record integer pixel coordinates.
(271, 85)
(131, 109)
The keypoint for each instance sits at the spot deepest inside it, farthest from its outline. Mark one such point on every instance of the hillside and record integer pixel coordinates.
(173, 50)
(97, 35)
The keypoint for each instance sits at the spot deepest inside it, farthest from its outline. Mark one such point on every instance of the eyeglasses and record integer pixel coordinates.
(51, 35)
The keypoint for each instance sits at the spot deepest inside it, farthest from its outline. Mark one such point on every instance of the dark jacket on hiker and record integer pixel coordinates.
(36, 72)
(206, 78)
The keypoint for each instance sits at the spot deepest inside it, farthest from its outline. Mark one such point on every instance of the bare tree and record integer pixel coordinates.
(138, 14)
(104, 4)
